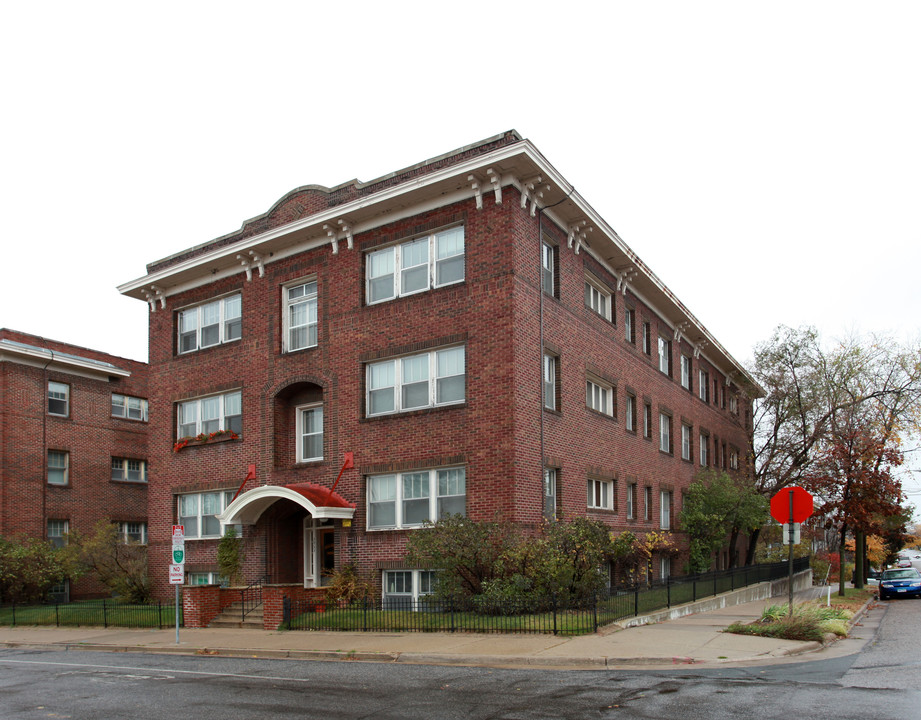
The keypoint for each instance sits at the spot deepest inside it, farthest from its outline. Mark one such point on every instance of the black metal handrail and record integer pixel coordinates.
(251, 596)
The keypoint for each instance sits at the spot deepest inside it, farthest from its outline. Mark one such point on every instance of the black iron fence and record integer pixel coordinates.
(528, 614)
(97, 613)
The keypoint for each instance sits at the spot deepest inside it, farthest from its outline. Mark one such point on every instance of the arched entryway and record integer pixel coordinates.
(298, 522)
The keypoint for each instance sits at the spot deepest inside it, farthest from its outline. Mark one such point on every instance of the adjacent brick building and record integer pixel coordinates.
(73, 442)
(469, 329)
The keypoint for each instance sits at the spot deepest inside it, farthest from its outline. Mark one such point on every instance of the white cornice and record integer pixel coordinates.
(511, 165)
(66, 363)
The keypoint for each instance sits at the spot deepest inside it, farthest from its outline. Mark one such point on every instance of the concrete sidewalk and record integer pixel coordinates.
(696, 639)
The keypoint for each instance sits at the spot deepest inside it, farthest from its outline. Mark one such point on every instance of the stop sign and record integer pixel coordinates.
(802, 505)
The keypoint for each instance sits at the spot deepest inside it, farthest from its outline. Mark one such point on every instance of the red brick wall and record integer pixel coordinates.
(496, 434)
(89, 434)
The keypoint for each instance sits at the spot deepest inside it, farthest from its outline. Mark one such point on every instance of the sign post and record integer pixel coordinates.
(790, 506)
(177, 567)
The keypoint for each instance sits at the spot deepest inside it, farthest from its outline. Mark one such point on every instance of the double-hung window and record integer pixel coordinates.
(197, 512)
(58, 467)
(309, 433)
(551, 363)
(686, 435)
(631, 501)
(600, 494)
(733, 458)
(733, 404)
(647, 503)
(58, 399)
(647, 421)
(598, 299)
(685, 372)
(665, 510)
(133, 532)
(647, 338)
(416, 265)
(704, 449)
(629, 325)
(300, 302)
(409, 499)
(599, 396)
(548, 255)
(630, 412)
(665, 433)
(129, 470)
(132, 408)
(211, 414)
(703, 385)
(57, 532)
(417, 381)
(665, 356)
(550, 493)
(212, 323)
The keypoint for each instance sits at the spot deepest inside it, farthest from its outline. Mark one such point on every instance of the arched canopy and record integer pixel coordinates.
(316, 499)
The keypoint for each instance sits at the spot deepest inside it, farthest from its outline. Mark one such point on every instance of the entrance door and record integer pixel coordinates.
(319, 551)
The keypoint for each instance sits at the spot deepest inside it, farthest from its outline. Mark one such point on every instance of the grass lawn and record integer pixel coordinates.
(90, 613)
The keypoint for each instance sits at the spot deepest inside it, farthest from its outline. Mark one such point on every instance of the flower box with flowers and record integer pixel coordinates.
(205, 438)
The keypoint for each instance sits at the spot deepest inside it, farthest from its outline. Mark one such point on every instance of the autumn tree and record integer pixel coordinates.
(120, 565)
(810, 389)
(853, 480)
(28, 569)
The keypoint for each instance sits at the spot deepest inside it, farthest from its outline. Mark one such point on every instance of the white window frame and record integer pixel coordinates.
(421, 583)
(665, 433)
(550, 493)
(647, 421)
(600, 494)
(686, 435)
(647, 338)
(599, 396)
(631, 501)
(733, 404)
(548, 253)
(665, 567)
(549, 381)
(210, 578)
(125, 532)
(665, 510)
(56, 532)
(597, 299)
(302, 434)
(224, 498)
(305, 302)
(129, 407)
(226, 421)
(629, 322)
(59, 392)
(630, 412)
(704, 445)
(443, 497)
(61, 469)
(703, 378)
(229, 322)
(398, 381)
(401, 253)
(647, 503)
(665, 355)
(685, 372)
(733, 458)
(125, 467)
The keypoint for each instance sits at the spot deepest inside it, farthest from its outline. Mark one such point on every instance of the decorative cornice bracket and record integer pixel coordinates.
(680, 329)
(253, 261)
(624, 275)
(477, 187)
(701, 344)
(496, 181)
(155, 293)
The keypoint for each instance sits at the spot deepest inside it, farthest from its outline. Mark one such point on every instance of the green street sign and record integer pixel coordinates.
(177, 556)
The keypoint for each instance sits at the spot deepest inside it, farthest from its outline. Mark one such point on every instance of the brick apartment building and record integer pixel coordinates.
(468, 328)
(73, 443)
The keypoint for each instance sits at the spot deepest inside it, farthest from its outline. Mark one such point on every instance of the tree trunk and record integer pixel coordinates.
(733, 539)
(860, 553)
(752, 545)
(841, 569)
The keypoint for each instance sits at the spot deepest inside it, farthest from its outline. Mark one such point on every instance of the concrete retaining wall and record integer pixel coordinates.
(761, 591)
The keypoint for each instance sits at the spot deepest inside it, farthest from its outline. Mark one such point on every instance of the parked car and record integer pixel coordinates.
(904, 562)
(900, 582)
